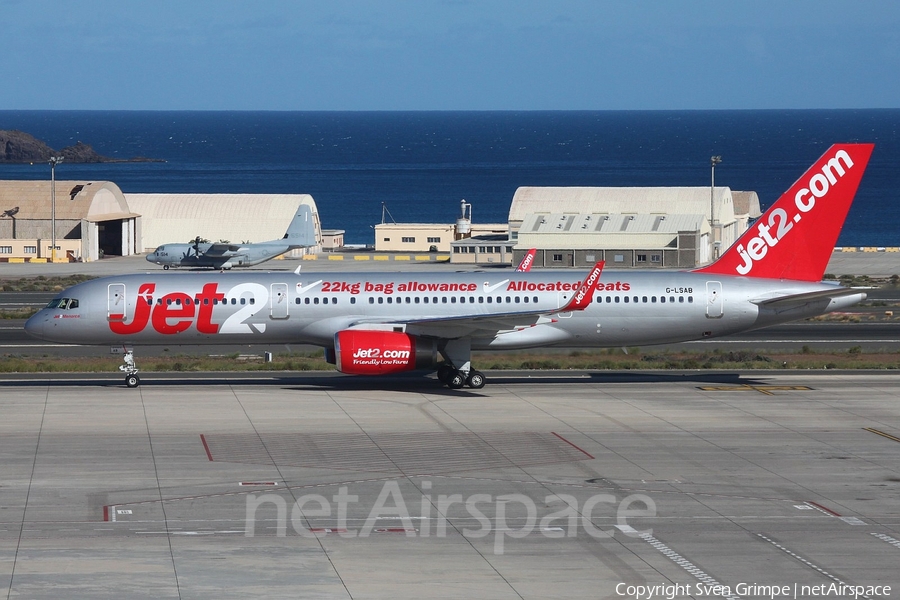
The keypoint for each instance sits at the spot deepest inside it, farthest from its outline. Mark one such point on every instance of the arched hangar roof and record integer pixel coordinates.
(75, 200)
(180, 218)
(621, 200)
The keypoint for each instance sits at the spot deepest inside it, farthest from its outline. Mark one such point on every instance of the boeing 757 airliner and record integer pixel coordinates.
(392, 322)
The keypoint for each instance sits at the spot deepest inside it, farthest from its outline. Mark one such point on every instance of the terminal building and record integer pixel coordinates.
(95, 219)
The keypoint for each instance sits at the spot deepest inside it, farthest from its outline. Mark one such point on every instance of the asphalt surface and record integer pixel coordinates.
(560, 485)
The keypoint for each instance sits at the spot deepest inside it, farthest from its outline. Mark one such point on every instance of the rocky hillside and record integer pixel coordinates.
(21, 147)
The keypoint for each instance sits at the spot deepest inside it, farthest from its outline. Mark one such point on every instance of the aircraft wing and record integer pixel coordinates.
(491, 324)
(457, 327)
(216, 250)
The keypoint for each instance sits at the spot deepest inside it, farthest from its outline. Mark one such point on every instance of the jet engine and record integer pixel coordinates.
(368, 352)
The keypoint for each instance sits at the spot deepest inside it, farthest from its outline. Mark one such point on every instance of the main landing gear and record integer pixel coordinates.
(457, 371)
(130, 370)
(455, 379)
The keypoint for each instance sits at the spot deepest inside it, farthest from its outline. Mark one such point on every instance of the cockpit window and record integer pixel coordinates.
(63, 303)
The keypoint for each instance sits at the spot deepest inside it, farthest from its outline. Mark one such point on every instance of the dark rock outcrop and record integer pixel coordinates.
(21, 147)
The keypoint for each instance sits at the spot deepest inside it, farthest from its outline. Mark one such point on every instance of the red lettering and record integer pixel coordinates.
(178, 308)
(207, 298)
(141, 312)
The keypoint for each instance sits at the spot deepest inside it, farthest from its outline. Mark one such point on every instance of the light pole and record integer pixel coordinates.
(713, 161)
(54, 160)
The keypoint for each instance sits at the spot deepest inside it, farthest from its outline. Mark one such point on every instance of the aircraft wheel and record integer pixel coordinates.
(444, 372)
(456, 381)
(475, 380)
(165, 267)
(132, 381)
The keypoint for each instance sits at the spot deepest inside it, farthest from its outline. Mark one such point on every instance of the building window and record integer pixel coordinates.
(618, 258)
(30, 249)
(409, 240)
(557, 258)
(590, 257)
(434, 240)
(656, 258)
(641, 258)
(5, 249)
(387, 239)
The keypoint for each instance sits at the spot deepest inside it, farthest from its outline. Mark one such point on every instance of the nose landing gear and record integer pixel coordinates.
(130, 370)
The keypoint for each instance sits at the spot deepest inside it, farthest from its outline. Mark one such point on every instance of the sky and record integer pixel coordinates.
(449, 54)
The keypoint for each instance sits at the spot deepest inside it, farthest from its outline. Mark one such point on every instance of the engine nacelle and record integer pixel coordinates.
(367, 352)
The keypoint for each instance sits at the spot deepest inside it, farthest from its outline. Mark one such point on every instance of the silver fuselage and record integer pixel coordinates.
(496, 310)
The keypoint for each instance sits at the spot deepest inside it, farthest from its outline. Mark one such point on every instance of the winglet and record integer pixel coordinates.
(585, 293)
(794, 239)
(527, 261)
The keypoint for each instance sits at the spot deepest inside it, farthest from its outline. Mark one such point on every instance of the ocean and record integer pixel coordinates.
(421, 164)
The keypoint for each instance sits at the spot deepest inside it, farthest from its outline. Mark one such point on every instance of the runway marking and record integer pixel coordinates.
(762, 389)
(807, 563)
(821, 508)
(206, 447)
(882, 434)
(890, 540)
(573, 445)
(679, 560)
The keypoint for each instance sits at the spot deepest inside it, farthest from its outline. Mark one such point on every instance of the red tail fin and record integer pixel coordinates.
(794, 239)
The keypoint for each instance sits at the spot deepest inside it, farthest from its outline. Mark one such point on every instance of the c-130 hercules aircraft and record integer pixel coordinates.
(391, 322)
(301, 233)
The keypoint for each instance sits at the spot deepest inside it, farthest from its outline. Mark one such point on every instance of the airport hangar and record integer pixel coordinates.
(675, 227)
(95, 219)
(680, 227)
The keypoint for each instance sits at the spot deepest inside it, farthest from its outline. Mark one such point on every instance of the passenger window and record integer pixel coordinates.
(380, 300)
(645, 298)
(662, 299)
(680, 299)
(626, 299)
(617, 299)
(690, 299)
(352, 300)
(315, 300)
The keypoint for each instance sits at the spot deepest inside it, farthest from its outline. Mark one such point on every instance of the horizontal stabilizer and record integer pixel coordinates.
(780, 302)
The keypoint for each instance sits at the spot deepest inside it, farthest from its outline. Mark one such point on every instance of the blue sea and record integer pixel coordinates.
(421, 164)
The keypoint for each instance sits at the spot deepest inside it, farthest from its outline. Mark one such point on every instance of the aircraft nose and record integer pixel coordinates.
(34, 326)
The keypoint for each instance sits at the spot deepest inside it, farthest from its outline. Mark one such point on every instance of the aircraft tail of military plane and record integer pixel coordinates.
(301, 233)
